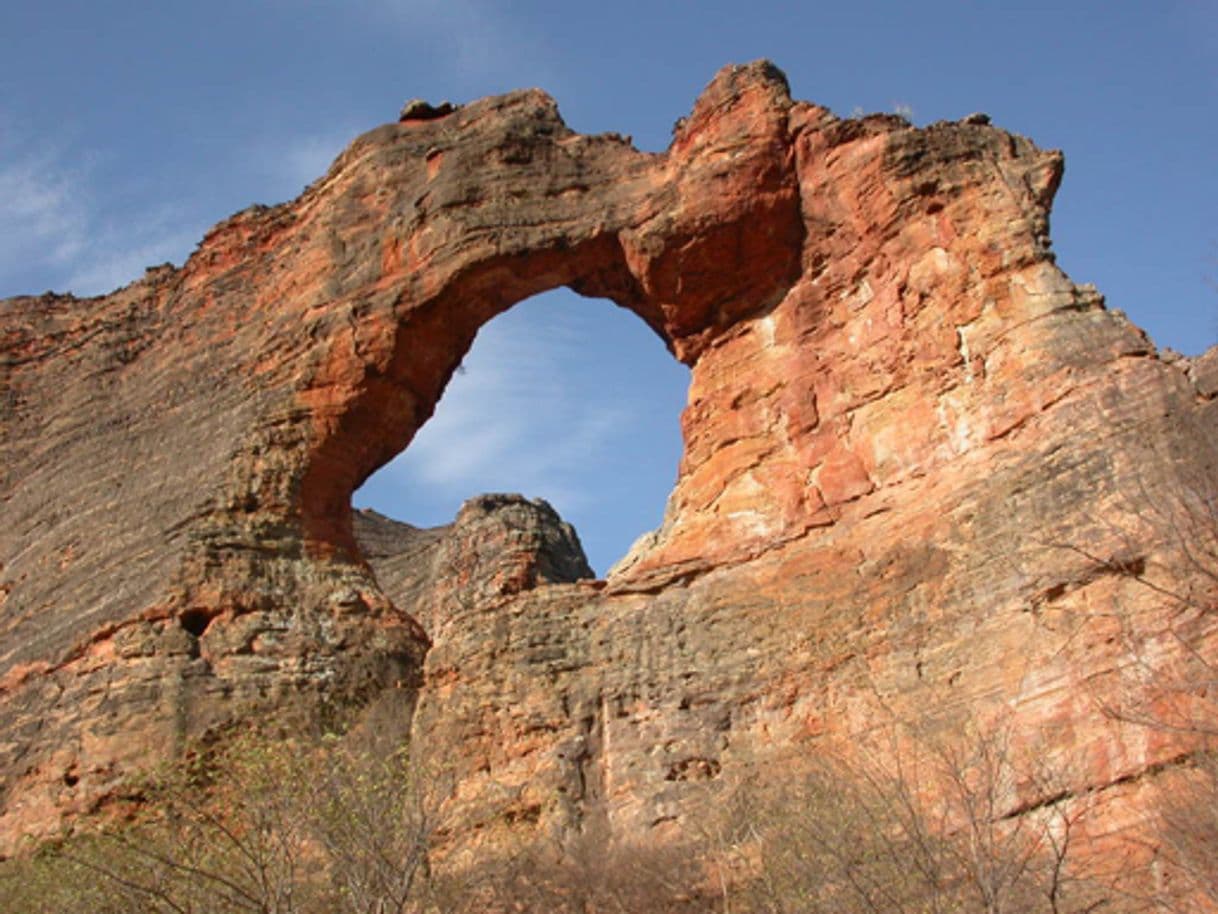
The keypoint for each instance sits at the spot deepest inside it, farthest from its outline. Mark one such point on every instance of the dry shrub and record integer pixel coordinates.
(288, 827)
(931, 829)
(586, 874)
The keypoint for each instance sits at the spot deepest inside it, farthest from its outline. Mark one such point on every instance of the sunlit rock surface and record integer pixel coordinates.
(925, 475)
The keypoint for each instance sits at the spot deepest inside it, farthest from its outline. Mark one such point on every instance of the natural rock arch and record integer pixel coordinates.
(566, 398)
(220, 415)
(892, 382)
(690, 241)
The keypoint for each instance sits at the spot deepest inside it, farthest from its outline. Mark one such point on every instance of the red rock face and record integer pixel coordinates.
(917, 467)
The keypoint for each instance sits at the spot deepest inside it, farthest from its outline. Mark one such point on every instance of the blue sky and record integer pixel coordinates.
(126, 129)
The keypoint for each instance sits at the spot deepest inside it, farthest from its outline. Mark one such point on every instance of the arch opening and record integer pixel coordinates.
(563, 398)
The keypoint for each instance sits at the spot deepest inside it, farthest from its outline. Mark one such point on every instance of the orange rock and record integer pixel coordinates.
(923, 474)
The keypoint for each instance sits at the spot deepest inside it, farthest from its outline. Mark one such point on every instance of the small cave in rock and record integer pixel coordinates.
(562, 398)
(195, 621)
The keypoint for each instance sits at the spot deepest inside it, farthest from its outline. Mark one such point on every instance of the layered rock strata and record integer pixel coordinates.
(925, 475)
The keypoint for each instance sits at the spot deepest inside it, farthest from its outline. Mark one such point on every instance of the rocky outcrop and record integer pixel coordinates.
(498, 547)
(925, 476)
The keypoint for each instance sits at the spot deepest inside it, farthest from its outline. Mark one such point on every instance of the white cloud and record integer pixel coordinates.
(59, 229)
(509, 422)
(112, 260)
(53, 227)
(42, 218)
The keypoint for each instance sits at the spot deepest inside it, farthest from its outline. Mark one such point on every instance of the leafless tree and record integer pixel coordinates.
(285, 827)
(374, 814)
(1160, 543)
(590, 873)
(919, 828)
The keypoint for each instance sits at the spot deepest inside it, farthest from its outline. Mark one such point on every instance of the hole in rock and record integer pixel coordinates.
(195, 621)
(564, 398)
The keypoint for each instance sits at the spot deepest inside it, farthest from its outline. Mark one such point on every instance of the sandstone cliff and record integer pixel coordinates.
(925, 475)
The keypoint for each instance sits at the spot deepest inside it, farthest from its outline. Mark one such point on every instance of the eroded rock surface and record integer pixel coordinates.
(925, 475)
(498, 547)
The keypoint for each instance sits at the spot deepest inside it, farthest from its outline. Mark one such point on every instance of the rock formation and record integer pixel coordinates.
(924, 475)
